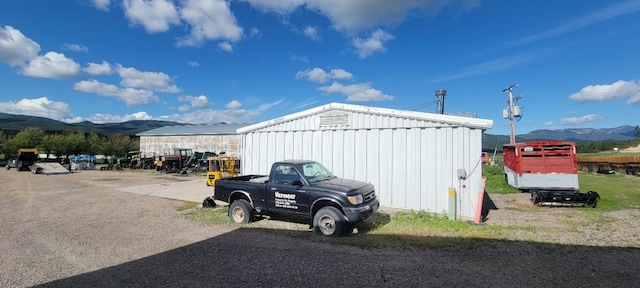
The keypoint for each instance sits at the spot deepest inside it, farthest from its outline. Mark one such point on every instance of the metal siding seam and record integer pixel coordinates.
(385, 152)
(412, 170)
(373, 159)
(349, 154)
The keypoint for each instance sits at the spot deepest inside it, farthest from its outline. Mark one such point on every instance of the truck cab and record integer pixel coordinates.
(299, 188)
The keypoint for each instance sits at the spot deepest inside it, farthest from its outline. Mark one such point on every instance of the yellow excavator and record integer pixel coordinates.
(221, 167)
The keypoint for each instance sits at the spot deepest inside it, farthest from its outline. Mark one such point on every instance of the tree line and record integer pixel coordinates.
(599, 146)
(66, 144)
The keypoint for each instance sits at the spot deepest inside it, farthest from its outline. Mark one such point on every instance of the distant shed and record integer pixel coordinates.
(411, 157)
(213, 138)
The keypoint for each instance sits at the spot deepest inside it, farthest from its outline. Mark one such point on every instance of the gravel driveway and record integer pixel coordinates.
(82, 230)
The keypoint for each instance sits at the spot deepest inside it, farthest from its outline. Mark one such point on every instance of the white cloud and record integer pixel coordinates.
(354, 16)
(255, 32)
(199, 102)
(155, 81)
(184, 108)
(51, 65)
(98, 69)
(15, 48)
(303, 59)
(154, 15)
(209, 20)
(76, 47)
(613, 11)
(193, 64)
(233, 104)
(318, 75)
(225, 46)
(496, 65)
(581, 120)
(213, 116)
(101, 4)
(375, 43)
(109, 118)
(41, 107)
(268, 106)
(311, 32)
(600, 93)
(130, 96)
(548, 123)
(357, 92)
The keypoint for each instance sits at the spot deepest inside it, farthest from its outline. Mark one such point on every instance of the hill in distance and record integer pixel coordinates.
(16, 123)
(621, 133)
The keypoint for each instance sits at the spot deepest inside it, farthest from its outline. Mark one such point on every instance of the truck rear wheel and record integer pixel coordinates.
(329, 221)
(240, 211)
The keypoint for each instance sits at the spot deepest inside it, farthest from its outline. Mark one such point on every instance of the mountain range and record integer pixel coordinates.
(10, 123)
(15, 123)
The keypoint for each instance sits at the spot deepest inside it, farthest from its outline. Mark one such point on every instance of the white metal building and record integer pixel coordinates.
(201, 138)
(412, 158)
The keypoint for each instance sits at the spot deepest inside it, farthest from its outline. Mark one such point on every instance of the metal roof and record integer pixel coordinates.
(449, 119)
(204, 129)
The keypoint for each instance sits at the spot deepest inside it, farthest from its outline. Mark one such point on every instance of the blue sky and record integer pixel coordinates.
(577, 62)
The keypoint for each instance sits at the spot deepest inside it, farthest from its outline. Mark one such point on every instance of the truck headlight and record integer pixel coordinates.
(356, 199)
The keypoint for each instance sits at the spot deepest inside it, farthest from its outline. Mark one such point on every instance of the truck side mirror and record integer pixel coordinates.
(296, 183)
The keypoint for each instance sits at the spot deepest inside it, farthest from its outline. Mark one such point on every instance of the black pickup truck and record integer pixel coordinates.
(299, 188)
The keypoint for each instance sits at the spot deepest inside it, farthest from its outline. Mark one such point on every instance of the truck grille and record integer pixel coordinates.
(369, 196)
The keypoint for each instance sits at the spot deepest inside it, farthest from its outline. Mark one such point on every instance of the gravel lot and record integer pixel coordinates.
(83, 230)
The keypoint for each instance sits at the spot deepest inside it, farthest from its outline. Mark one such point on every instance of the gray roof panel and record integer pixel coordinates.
(204, 129)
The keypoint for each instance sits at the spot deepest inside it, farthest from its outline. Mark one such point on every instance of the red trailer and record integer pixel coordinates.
(548, 170)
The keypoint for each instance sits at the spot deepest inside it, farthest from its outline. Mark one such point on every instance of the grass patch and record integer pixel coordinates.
(187, 205)
(210, 216)
(495, 180)
(617, 192)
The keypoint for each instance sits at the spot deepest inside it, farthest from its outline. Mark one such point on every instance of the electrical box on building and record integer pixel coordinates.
(462, 174)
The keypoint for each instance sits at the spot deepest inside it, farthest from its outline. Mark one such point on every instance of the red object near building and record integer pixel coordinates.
(541, 165)
(548, 170)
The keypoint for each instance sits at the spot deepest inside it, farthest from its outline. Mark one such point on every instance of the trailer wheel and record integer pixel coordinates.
(240, 211)
(329, 221)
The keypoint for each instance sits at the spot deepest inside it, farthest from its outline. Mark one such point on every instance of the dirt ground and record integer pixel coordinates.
(84, 230)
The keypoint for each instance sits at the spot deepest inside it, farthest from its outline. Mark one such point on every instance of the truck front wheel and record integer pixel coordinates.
(329, 221)
(240, 211)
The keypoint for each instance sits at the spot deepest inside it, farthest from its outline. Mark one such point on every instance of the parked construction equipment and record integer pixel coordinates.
(174, 163)
(25, 159)
(221, 167)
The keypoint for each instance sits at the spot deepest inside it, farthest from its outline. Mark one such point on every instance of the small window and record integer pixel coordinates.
(285, 174)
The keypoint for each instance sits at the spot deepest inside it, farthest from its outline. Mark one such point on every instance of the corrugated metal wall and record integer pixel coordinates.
(412, 163)
(164, 145)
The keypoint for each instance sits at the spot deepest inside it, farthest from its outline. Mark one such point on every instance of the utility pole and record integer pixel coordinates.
(512, 126)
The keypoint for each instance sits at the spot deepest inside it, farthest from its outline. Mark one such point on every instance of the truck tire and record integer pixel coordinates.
(240, 211)
(329, 221)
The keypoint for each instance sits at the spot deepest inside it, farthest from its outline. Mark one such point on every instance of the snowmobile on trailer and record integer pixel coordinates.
(548, 170)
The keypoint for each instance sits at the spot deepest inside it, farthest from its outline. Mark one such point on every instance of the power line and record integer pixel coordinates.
(420, 106)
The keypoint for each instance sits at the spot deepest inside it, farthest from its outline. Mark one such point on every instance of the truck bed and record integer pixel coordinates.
(254, 184)
(252, 178)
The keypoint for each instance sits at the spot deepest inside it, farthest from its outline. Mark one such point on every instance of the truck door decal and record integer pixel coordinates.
(284, 200)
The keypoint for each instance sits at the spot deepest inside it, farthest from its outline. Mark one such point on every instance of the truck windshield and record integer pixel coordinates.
(315, 172)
